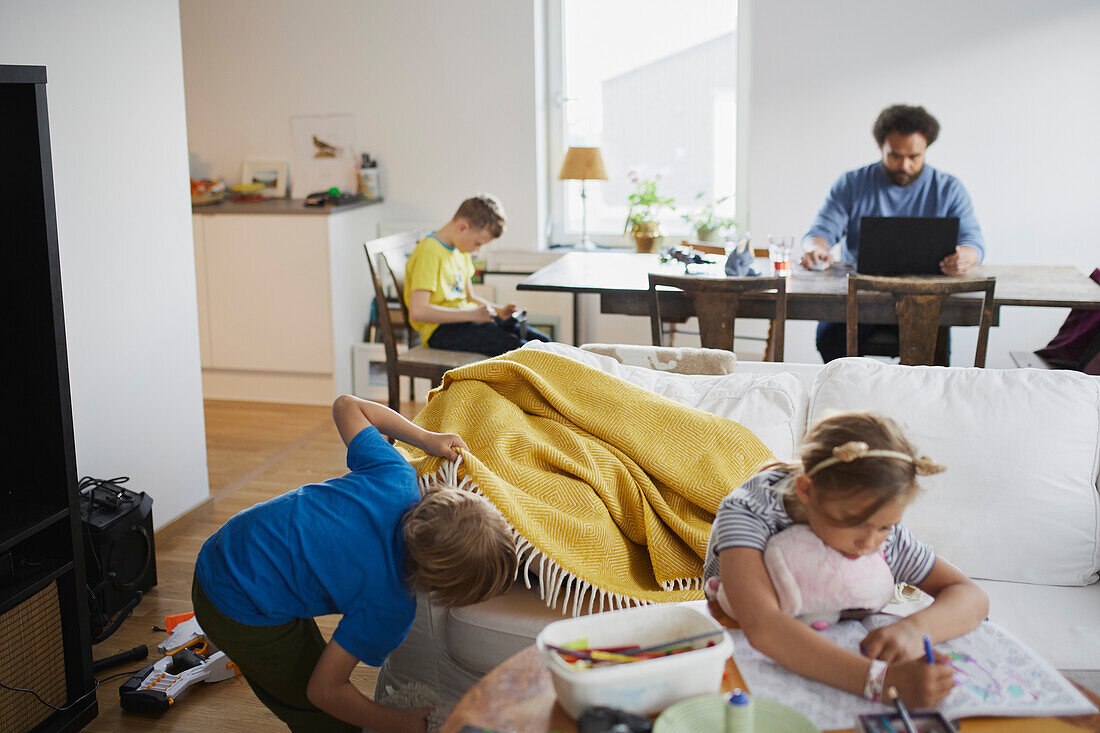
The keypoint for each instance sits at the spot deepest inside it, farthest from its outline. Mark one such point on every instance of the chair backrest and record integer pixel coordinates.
(715, 301)
(720, 249)
(919, 302)
(707, 249)
(393, 262)
(382, 256)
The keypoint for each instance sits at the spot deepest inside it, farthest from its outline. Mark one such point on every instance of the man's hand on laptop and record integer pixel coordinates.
(817, 255)
(959, 263)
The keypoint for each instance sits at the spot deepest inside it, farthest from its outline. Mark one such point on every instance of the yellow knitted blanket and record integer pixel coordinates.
(610, 488)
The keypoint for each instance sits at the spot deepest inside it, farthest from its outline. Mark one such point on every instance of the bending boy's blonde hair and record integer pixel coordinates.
(458, 547)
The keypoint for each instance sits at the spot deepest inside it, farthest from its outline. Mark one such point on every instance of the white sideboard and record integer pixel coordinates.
(284, 294)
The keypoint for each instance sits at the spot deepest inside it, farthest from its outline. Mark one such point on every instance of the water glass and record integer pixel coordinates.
(780, 248)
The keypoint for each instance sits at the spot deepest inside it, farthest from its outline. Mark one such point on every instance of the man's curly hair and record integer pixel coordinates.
(906, 120)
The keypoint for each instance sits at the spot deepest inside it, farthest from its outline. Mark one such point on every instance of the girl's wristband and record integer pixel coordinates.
(876, 680)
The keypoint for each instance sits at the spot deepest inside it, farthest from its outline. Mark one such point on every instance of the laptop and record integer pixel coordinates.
(905, 245)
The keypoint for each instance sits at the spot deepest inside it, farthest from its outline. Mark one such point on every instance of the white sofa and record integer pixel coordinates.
(1017, 510)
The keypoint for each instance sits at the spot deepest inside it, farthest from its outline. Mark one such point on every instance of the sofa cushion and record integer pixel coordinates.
(423, 657)
(770, 405)
(481, 636)
(1019, 499)
(1061, 624)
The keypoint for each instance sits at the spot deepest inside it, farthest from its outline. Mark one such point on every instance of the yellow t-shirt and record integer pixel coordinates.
(443, 270)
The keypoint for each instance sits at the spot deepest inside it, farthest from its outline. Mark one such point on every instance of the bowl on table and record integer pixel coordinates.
(643, 687)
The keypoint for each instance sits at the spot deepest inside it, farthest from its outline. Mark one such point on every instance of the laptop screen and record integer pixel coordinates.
(905, 245)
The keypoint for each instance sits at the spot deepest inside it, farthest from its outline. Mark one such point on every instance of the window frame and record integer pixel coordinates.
(557, 234)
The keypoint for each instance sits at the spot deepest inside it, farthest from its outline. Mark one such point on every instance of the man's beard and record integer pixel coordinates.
(901, 178)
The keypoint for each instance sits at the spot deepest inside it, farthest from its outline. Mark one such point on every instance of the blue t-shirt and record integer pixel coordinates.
(867, 191)
(332, 547)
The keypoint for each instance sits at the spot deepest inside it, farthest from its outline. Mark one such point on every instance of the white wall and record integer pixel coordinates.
(444, 94)
(1014, 86)
(116, 109)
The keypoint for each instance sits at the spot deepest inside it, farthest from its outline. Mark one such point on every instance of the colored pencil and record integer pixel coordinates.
(632, 653)
(677, 642)
(905, 719)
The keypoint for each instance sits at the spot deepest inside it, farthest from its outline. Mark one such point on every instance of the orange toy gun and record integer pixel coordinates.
(189, 658)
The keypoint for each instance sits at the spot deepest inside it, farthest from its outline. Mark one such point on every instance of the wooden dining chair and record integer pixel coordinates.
(919, 302)
(720, 249)
(387, 255)
(715, 301)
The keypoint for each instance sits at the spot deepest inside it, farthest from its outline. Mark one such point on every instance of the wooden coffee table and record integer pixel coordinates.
(518, 695)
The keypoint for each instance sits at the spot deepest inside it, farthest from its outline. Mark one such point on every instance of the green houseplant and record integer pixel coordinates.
(645, 207)
(706, 222)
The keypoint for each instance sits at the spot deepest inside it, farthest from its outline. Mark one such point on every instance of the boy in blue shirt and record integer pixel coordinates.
(442, 306)
(359, 545)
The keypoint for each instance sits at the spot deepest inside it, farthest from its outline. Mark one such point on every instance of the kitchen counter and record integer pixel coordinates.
(278, 206)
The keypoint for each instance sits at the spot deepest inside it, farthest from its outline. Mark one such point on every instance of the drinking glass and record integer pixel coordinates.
(780, 248)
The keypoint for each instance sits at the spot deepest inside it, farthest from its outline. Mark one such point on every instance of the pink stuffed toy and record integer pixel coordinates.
(814, 582)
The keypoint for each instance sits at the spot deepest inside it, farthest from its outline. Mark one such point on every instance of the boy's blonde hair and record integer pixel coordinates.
(483, 211)
(458, 547)
(846, 445)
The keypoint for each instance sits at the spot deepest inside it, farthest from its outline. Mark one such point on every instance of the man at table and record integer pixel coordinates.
(899, 184)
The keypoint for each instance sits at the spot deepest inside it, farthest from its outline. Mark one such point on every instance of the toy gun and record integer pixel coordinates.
(686, 255)
(189, 658)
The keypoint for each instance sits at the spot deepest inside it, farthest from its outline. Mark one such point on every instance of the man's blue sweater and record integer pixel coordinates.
(867, 191)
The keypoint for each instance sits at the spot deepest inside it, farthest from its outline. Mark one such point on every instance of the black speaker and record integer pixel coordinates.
(119, 553)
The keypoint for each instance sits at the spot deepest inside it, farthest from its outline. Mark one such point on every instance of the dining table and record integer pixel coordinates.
(621, 279)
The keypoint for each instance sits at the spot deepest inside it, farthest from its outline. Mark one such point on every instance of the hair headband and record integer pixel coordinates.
(855, 449)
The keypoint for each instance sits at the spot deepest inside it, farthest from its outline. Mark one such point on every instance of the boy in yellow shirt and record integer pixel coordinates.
(442, 306)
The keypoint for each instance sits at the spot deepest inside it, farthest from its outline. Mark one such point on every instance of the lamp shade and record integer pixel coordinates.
(582, 164)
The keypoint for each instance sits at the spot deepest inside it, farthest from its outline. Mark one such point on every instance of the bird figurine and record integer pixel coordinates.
(324, 150)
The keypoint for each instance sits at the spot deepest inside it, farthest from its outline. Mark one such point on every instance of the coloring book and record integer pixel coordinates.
(995, 674)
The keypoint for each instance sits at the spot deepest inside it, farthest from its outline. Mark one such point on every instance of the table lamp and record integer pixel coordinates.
(583, 164)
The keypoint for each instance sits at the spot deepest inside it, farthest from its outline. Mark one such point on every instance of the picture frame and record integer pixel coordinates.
(323, 154)
(272, 174)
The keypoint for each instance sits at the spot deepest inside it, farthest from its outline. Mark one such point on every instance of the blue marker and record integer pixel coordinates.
(928, 655)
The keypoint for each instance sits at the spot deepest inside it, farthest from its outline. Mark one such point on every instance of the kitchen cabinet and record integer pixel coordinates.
(283, 295)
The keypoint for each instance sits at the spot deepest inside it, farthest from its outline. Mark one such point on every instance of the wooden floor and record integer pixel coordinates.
(254, 451)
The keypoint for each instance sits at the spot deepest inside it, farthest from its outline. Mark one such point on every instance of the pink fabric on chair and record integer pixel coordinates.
(1075, 345)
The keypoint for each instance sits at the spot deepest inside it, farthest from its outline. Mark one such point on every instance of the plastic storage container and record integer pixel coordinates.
(645, 687)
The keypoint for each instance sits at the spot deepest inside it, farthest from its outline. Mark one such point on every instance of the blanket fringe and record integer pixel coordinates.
(447, 477)
(683, 584)
(554, 580)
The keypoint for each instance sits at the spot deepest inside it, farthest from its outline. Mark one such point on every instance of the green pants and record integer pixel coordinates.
(276, 661)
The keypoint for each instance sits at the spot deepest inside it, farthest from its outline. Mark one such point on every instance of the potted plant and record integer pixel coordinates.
(645, 207)
(705, 221)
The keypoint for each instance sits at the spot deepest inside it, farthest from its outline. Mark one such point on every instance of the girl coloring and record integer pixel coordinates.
(855, 478)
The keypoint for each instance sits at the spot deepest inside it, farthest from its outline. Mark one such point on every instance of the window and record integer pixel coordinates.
(654, 85)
